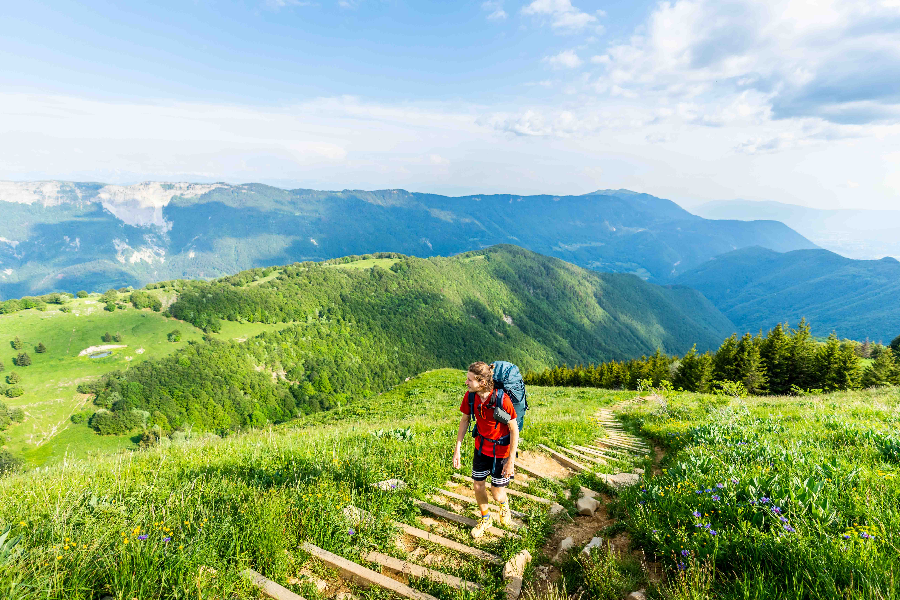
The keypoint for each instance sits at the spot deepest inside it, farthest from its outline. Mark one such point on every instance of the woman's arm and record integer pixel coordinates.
(460, 435)
(509, 468)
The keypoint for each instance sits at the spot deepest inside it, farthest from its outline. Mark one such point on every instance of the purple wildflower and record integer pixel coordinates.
(763, 500)
(682, 566)
(167, 539)
(720, 485)
(864, 535)
(707, 490)
(351, 532)
(713, 532)
(846, 536)
(685, 552)
(696, 513)
(783, 519)
(142, 537)
(734, 480)
(789, 529)
(698, 492)
(716, 498)
(776, 510)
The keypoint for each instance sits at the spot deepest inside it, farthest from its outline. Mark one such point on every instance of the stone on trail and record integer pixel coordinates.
(513, 571)
(596, 542)
(564, 546)
(556, 509)
(390, 485)
(587, 493)
(587, 506)
(638, 595)
(621, 479)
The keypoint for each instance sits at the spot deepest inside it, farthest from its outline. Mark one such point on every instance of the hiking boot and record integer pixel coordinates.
(484, 523)
(506, 515)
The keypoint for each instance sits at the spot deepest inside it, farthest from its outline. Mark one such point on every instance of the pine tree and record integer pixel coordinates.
(749, 366)
(17, 344)
(895, 346)
(118, 337)
(776, 356)
(724, 367)
(107, 337)
(40, 348)
(883, 371)
(694, 372)
(659, 368)
(804, 373)
(23, 360)
(13, 378)
(837, 365)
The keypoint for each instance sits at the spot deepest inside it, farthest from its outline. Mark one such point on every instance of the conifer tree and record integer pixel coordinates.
(23, 360)
(694, 372)
(884, 371)
(40, 348)
(804, 372)
(749, 365)
(837, 365)
(724, 368)
(17, 344)
(776, 355)
(895, 346)
(13, 378)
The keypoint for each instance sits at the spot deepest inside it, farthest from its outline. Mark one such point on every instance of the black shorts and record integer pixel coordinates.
(484, 465)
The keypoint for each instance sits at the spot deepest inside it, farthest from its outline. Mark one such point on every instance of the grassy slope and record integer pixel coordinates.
(249, 500)
(50, 381)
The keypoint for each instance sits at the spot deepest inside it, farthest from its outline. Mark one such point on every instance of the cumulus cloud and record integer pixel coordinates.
(567, 59)
(563, 16)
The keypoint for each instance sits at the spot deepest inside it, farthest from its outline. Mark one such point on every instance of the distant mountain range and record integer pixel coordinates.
(757, 288)
(63, 236)
(863, 234)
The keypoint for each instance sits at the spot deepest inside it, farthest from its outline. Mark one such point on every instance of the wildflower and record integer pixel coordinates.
(685, 552)
(142, 537)
(864, 535)
(682, 566)
(351, 532)
(734, 480)
(696, 514)
(698, 492)
(167, 539)
(763, 500)
(846, 536)
(713, 532)
(776, 510)
(789, 529)
(707, 490)
(716, 498)
(720, 485)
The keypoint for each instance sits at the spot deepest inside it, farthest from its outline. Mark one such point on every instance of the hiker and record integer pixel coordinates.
(496, 436)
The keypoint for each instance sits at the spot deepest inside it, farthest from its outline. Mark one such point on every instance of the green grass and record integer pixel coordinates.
(50, 381)
(252, 499)
(367, 263)
(774, 497)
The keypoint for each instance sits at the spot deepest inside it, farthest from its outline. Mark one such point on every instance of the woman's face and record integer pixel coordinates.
(471, 383)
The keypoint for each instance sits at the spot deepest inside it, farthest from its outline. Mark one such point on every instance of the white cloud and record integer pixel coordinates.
(562, 14)
(495, 11)
(567, 59)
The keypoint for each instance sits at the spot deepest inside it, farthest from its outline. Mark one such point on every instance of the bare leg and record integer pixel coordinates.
(499, 494)
(481, 496)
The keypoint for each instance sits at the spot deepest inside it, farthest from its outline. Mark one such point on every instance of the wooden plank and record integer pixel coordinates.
(363, 576)
(629, 439)
(537, 474)
(407, 568)
(615, 445)
(470, 500)
(447, 543)
(269, 587)
(627, 447)
(583, 456)
(568, 462)
(509, 491)
(451, 516)
(596, 452)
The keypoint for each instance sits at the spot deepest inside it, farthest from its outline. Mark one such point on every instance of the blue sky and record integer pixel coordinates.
(796, 101)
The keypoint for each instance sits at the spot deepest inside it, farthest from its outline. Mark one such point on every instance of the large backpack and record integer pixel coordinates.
(508, 379)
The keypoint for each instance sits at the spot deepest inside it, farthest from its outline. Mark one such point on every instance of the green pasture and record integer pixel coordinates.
(50, 381)
(184, 518)
(366, 263)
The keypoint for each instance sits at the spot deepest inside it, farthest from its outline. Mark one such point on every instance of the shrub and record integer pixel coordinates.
(107, 337)
(40, 348)
(65, 309)
(117, 337)
(77, 418)
(174, 335)
(82, 294)
(114, 423)
(17, 344)
(17, 415)
(8, 462)
(14, 392)
(23, 360)
(13, 378)
(110, 306)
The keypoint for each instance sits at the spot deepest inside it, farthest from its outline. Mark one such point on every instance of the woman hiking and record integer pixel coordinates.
(496, 436)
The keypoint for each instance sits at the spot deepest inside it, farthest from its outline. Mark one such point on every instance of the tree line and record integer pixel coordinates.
(784, 361)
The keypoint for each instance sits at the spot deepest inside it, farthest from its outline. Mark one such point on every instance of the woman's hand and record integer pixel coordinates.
(457, 460)
(509, 469)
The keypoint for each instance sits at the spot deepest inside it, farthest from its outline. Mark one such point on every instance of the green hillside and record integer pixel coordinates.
(758, 288)
(329, 334)
(753, 498)
(75, 240)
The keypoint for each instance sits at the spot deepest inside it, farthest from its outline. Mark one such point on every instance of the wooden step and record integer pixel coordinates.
(470, 500)
(583, 457)
(568, 462)
(452, 516)
(363, 576)
(615, 445)
(596, 452)
(508, 491)
(269, 587)
(407, 568)
(446, 543)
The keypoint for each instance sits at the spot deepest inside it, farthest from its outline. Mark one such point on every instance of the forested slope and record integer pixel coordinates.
(357, 330)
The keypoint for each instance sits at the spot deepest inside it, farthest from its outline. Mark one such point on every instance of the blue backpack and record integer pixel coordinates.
(508, 379)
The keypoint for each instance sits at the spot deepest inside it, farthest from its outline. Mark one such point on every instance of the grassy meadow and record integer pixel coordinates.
(183, 519)
(50, 382)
